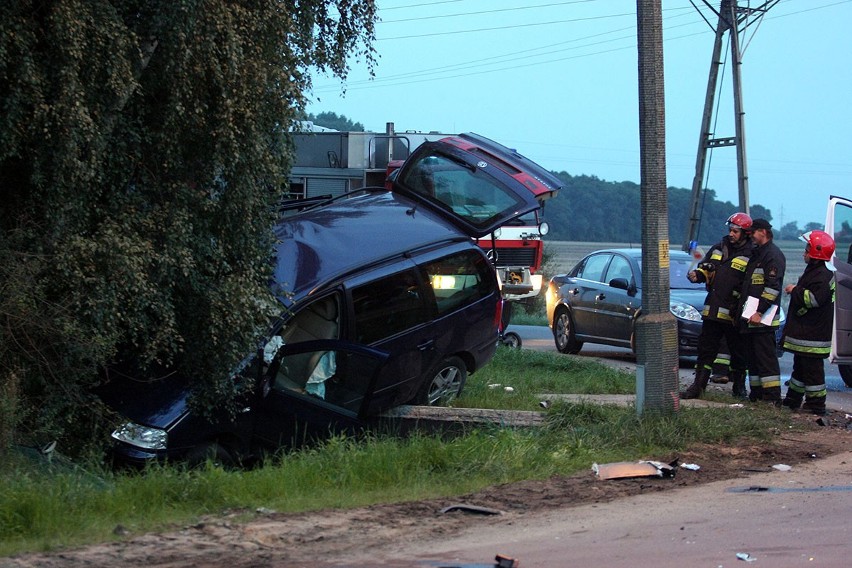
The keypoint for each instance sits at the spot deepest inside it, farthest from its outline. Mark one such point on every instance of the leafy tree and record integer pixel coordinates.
(757, 211)
(332, 120)
(142, 145)
(790, 231)
(813, 226)
(594, 210)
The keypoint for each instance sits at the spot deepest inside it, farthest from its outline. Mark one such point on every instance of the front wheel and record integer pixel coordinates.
(211, 453)
(846, 374)
(563, 333)
(444, 384)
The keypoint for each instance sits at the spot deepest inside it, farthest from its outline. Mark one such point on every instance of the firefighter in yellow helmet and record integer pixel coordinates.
(722, 270)
(807, 334)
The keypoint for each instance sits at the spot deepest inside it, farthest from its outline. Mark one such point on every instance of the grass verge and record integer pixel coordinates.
(50, 506)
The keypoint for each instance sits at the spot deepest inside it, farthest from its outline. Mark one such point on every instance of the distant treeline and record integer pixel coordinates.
(593, 210)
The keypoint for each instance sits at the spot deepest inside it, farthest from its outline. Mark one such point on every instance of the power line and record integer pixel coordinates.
(481, 12)
(401, 79)
(512, 27)
(426, 75)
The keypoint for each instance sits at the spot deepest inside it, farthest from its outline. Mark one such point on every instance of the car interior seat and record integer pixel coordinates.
(317, 321)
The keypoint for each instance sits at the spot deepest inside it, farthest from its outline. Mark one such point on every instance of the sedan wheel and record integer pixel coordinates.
(846, 374)
(563, 334)
(445, 384)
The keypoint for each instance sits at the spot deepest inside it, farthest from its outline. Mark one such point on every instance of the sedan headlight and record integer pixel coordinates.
(141, 436)
(684, 311)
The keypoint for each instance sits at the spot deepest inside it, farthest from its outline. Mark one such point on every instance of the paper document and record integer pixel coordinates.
(750, 308)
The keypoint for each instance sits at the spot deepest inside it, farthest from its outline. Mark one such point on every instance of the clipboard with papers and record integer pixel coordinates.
(750, 308)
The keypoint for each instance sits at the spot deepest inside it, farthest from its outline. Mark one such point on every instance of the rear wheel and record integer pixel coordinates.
(445, 383)
(846, 374)
(563, 333)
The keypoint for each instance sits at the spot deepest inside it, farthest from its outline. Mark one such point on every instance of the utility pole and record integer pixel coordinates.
(733, 19)
(657, 378)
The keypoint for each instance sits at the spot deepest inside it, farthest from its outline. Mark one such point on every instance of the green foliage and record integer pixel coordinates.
(790, 231)
(142, 146)
(544, 372)
(590, 209)
(47, 508)
(332, 120)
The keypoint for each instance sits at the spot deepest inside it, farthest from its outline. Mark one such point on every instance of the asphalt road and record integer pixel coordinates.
(540, 338)
(780, 518)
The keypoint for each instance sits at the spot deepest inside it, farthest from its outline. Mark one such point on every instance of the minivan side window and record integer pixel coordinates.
(388, 306)
(458, 280)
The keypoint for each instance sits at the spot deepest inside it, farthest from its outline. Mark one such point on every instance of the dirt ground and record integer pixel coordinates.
(363, 537)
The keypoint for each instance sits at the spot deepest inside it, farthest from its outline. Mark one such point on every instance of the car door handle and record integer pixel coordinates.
(428, 344)
(575, 291)
(600, 297)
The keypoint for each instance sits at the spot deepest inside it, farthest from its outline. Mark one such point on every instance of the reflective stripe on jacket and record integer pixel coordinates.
(729, 261)
(764, 280)
(809, 324)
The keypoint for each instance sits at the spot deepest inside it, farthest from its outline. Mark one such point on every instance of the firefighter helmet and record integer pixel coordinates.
(739, 220)
(820, 245)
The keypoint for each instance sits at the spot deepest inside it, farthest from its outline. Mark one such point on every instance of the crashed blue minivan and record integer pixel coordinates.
(385, 300)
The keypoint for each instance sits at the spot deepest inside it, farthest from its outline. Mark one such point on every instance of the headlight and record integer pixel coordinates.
(684, 311)
(536, 280)
(141, 436)
(543, 228)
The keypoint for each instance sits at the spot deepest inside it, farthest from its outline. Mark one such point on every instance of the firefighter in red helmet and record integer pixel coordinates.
(807, 333)
(722, 270)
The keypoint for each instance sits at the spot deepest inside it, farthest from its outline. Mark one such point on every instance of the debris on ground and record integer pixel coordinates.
(782, 467)
(505, 562)
(471, 509)
(745, 556)
(621, 470)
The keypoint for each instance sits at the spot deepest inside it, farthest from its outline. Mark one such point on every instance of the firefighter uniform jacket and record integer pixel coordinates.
(763, 281)
(811, 313)
(723, 269)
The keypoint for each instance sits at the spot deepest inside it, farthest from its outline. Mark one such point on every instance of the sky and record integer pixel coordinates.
(558, 81)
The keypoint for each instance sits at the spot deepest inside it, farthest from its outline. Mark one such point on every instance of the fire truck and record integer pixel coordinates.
(330, 163)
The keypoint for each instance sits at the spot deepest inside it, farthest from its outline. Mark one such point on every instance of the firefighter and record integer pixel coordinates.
(807, 334)
(722, 270)
(761, 314)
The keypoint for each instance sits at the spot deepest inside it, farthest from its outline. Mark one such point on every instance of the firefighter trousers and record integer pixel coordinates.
(712, 333)
(763, 368)
(808, 382)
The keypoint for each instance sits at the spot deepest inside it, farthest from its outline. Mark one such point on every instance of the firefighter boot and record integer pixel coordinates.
(755, 389)
(815, 405)
(772, 395)
(696, 389)
(792, 400)
(738, 379)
